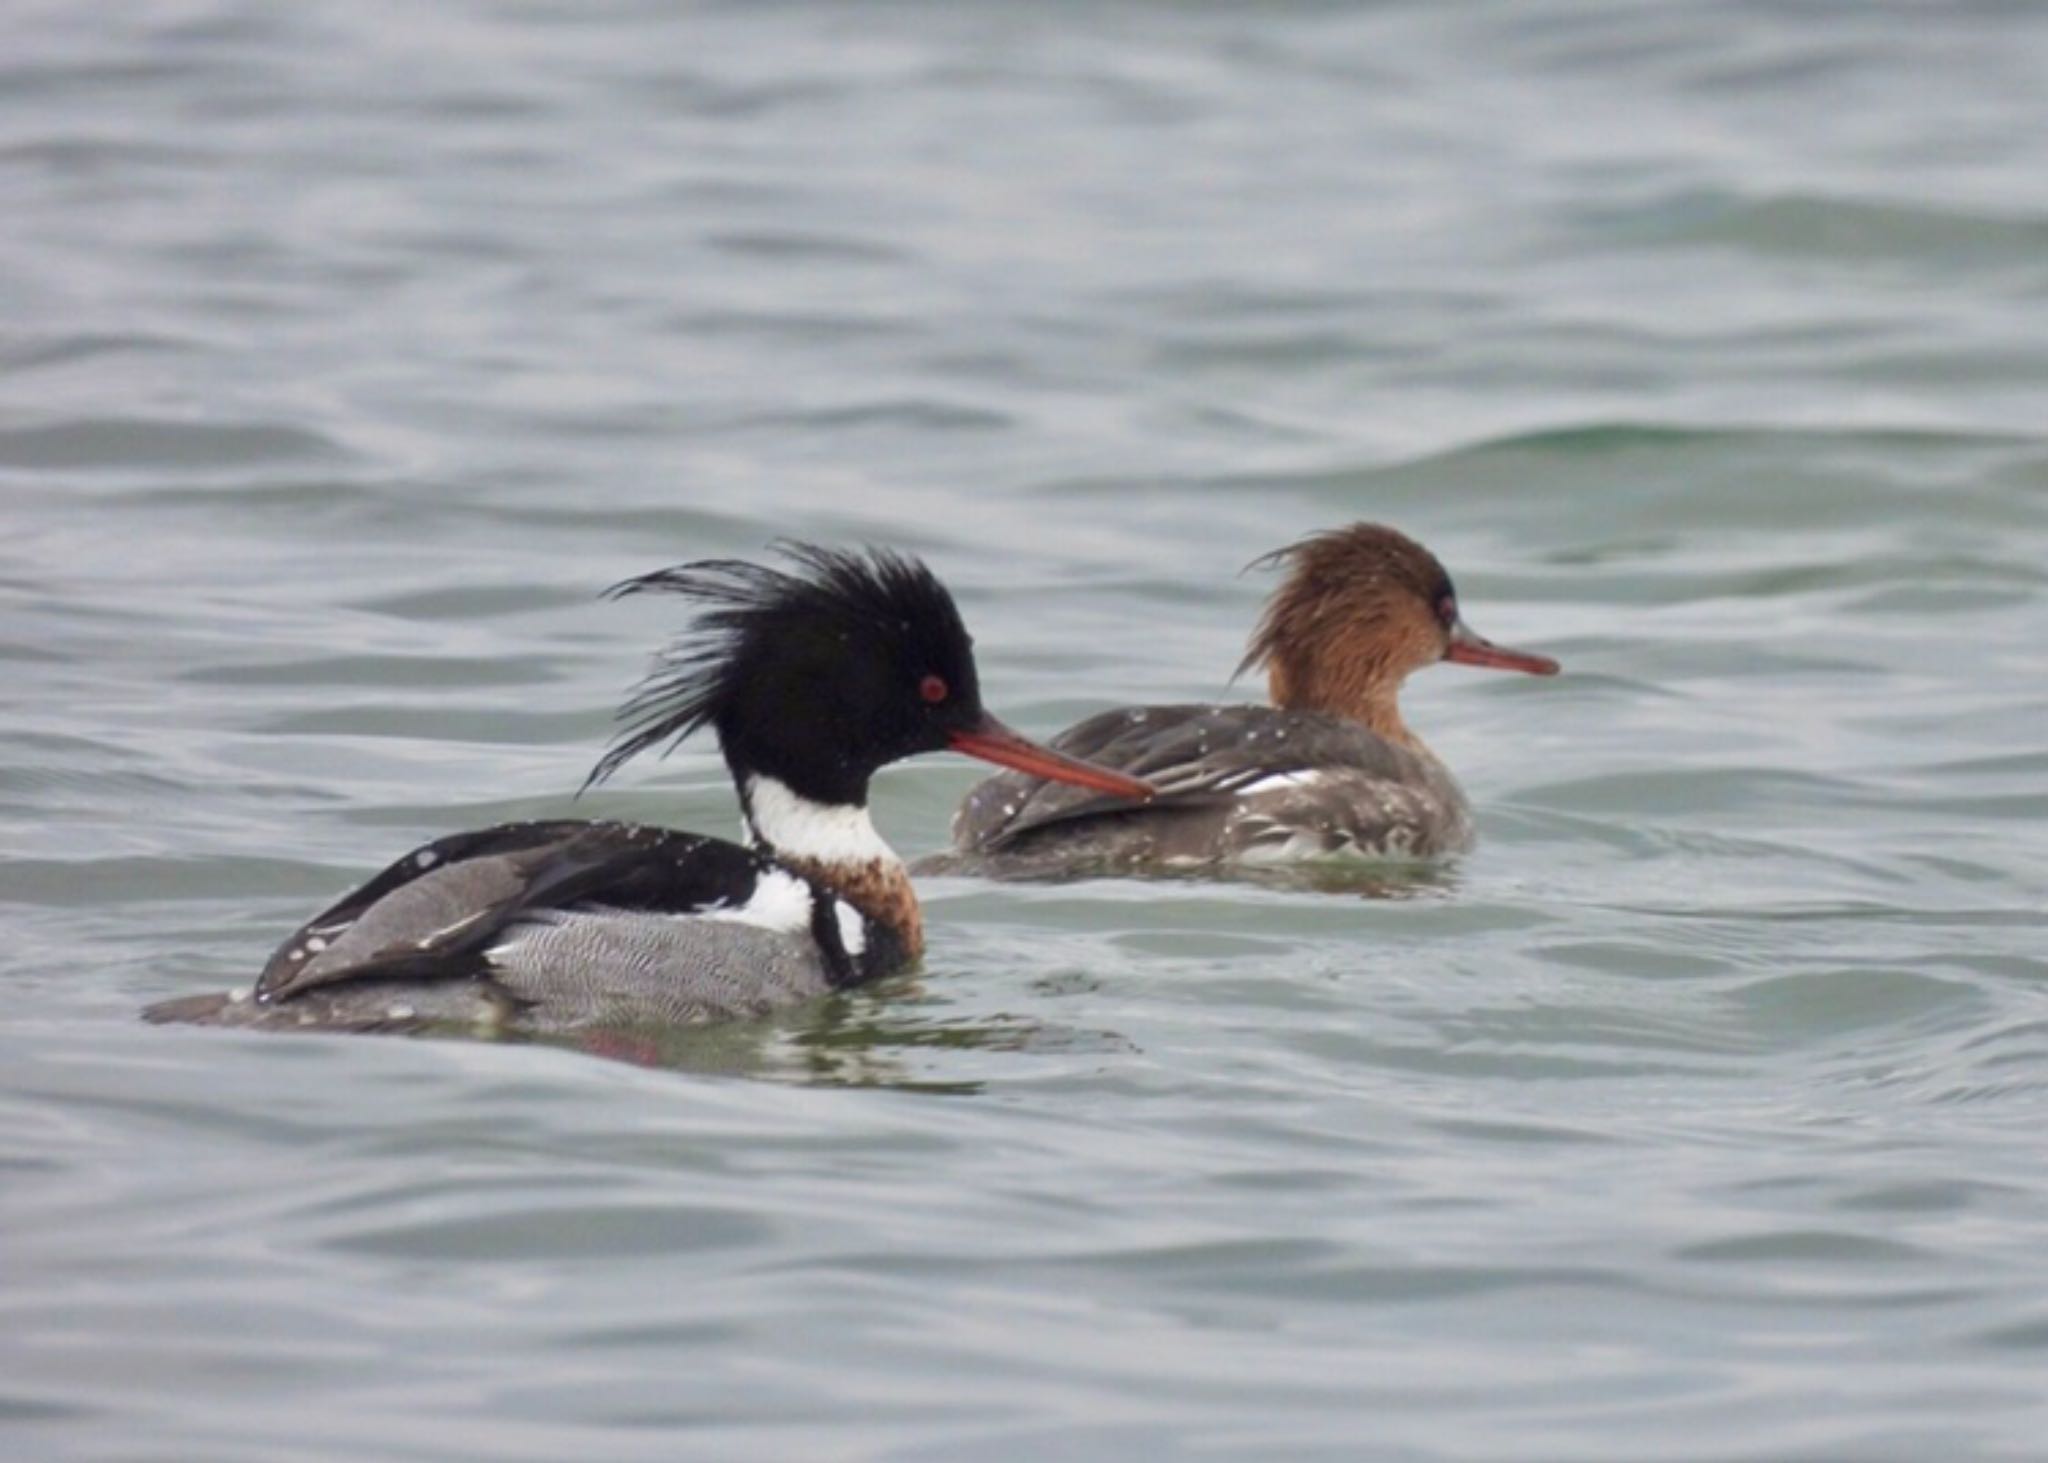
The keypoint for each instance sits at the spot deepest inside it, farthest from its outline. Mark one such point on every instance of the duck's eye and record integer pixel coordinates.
(1447, 610)
(933, 689)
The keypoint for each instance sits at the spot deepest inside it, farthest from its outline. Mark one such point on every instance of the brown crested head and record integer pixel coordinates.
(1361, 608)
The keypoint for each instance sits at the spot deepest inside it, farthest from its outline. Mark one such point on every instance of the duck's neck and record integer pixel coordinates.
(835, 844)
(1372, 700)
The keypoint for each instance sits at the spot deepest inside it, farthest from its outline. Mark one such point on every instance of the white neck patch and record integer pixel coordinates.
(823, 833)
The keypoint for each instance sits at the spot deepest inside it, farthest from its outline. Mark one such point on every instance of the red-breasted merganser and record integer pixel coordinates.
(812, 680)
(1328, 770)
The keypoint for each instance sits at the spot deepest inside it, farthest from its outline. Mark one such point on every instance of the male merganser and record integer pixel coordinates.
(812, 681)
(1329, 770)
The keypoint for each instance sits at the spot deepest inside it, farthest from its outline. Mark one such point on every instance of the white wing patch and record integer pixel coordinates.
(1277, 780)
(780, 902)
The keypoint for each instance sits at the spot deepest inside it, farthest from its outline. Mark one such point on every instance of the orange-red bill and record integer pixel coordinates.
(1467, 648)
(993, 742)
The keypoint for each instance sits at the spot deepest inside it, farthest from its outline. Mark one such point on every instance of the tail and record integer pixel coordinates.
(204, 1010)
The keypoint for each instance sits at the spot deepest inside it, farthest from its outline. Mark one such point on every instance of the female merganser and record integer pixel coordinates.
(812, 681)
(1329, 770)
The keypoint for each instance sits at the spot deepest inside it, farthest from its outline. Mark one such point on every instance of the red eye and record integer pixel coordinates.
(933, 689)
(1447, 610)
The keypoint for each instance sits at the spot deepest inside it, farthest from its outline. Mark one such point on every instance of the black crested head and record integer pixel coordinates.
(814, 677)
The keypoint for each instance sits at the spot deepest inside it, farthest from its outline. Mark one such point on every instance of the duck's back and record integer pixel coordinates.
(1237, 784)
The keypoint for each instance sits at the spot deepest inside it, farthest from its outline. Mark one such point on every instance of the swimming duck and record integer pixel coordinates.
(812, 680)
(1329, 770)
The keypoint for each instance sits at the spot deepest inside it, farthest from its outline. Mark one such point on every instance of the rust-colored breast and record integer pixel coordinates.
(880, 890)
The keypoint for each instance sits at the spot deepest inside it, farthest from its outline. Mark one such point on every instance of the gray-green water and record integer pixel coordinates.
(346, 351)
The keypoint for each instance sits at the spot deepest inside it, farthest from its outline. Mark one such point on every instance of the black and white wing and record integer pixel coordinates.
(434, 912)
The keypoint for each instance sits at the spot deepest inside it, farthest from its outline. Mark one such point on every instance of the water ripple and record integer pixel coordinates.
(351, 350)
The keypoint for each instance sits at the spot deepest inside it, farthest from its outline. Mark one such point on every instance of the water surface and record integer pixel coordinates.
(347, 351)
